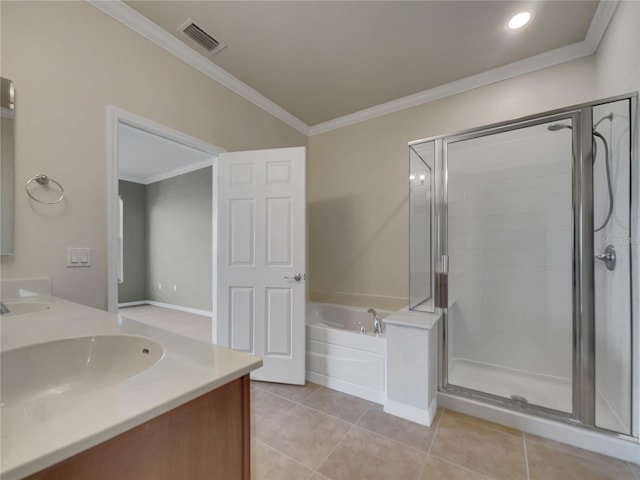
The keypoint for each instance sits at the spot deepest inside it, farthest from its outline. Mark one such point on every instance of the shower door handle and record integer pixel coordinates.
(297, 277)
(608, 257)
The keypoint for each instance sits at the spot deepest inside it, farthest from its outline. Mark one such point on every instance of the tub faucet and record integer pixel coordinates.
(3, 308)
(377, 323)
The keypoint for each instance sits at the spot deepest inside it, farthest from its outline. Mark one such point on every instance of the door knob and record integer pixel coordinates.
(297, 277)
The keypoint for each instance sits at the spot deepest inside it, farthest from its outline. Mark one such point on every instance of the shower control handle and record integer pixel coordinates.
(297, 277)
(608, 257)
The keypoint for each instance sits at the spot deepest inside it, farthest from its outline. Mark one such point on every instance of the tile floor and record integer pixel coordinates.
(183, 323)
(315, 433)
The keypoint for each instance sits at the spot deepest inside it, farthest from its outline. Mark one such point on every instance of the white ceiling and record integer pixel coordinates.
(146, 158)
(323, 60)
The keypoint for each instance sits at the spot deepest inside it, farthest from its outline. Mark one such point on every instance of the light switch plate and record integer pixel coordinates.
(78, 257)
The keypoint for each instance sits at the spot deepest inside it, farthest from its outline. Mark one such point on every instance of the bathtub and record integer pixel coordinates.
(342, 358)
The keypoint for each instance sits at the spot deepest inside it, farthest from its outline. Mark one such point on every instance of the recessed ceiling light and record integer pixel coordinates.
(519, 20)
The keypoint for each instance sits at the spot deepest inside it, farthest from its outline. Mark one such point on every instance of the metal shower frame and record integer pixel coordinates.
(583, 291)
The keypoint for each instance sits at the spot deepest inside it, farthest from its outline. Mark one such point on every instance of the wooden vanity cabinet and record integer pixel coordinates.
(206, 438)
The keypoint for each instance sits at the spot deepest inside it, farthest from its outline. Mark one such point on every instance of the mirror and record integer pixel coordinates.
(421, 205)
(7, 168)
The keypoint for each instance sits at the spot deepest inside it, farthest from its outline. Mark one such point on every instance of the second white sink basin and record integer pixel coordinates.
(73, 366)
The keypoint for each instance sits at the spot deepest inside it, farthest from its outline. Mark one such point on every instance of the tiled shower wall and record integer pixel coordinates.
(509, 227)
(612, 300)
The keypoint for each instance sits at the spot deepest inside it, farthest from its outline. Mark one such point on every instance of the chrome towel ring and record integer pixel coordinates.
(42, 179)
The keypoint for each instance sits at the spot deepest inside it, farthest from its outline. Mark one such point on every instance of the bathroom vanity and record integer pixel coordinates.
(88, 394)
(208, 437)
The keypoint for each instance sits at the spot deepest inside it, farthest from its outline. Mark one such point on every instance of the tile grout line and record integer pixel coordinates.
(475, 472)
(312, 469)
(349, 424)
(393, 440)
(363, 427)
(435, 432)
(332, 450)
(322, 412)
(526, 456)
(365, 412)
(283, 397)
(433, 439)
(328, 415)
(286, 456)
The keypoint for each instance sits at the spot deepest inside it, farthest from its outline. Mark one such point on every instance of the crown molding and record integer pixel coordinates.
(600, 22)
(601, 18)
(521, 67)
(145, 27)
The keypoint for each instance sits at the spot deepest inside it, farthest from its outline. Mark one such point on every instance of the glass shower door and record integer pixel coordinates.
(510, 239)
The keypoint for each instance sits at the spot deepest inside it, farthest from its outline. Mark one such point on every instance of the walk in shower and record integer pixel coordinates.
(532, 229)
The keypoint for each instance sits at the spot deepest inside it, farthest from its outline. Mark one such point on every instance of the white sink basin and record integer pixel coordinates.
(73, 366)
(18, 308)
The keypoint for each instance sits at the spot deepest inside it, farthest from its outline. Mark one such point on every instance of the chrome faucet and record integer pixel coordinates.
(3, 308)
(377, 323)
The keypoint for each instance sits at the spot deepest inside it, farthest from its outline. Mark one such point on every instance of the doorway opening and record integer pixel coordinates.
(162, 229)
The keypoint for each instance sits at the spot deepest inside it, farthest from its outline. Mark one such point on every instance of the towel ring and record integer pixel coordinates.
(42, 179)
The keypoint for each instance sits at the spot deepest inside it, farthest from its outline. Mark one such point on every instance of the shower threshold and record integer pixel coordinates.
(537, 389)
(543, 390)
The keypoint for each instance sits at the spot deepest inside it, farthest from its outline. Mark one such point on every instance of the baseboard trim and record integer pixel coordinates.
(204, 313)
(411, 413)
(132, 304)
(622, 448)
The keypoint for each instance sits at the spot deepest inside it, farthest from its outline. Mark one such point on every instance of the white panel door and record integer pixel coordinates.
(262, 258)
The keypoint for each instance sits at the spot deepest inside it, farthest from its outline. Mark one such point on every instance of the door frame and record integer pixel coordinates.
(117, 116)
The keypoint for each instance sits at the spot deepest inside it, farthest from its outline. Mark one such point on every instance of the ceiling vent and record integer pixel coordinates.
(202, 38)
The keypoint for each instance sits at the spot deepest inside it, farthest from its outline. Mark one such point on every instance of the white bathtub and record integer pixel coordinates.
(342, 358)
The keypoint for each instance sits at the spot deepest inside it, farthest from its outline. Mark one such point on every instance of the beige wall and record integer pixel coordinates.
(618, 57)
(358, 217)
(69, 61)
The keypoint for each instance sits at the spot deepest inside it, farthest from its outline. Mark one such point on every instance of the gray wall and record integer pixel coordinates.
(134, 198)
(168, 241)
(179, 240)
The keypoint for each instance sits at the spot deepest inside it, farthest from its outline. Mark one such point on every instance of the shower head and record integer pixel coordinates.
(554, 127)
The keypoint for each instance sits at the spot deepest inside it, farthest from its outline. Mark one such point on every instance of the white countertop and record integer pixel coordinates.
(41, 433)
(411, 318)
